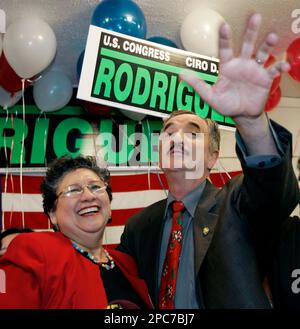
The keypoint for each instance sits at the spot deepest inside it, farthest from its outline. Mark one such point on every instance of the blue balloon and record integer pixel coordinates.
(53, 91)
(123, 16)
(79, 64)
(163, 41)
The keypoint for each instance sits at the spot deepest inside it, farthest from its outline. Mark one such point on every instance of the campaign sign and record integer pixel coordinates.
(141, 76)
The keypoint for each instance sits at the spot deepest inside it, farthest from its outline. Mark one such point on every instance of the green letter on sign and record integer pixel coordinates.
(39, 142)
(14, 142)
(62, 133)
(159, 90)
(124, 77)
(105, 74)
(140, 97)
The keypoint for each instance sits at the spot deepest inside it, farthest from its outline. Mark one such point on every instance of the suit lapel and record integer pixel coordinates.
(155, 235)
(205, 221)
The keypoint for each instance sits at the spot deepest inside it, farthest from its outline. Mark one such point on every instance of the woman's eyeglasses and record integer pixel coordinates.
(76, 189)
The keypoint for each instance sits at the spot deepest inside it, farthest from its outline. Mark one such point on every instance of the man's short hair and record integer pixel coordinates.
(213, 129)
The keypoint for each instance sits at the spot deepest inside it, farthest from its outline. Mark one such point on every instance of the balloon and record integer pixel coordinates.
(200, 31)
(53, 91)
(133, 115)
(276, 82)
(79, 64)
(8, 99)
(293, 57)
(273, 100)
(9, 80)
(163, 41)
(122, 16)
(29, 46)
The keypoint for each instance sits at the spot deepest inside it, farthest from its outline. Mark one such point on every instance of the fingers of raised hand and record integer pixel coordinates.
(250, 36)
(225, 40)
(265, 49)
(278, 68)
(202, 88)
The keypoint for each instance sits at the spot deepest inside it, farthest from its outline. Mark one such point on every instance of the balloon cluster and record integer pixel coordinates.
(28, 47)
(126, 17)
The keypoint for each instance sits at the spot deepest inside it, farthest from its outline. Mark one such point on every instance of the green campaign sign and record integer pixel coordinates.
(37, 140)
(143, 77)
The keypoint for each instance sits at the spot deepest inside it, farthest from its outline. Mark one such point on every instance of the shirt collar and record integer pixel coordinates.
(190, 200)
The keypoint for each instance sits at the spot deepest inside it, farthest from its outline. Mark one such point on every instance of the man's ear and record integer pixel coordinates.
(212, 159)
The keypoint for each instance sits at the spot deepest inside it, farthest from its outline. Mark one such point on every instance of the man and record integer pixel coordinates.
(214, 240)
(8, 235)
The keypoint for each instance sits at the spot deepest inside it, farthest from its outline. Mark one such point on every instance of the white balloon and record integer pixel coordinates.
(8, 99)
(133, 115)
(200, 31)
(29, 46)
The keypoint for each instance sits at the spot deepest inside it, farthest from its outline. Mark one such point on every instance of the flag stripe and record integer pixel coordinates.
(119, 183)
(120, 216)
(112, 234)
(139, 199)
(34, 220)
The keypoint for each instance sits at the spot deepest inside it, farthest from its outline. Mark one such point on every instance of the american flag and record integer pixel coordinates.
(131, 193)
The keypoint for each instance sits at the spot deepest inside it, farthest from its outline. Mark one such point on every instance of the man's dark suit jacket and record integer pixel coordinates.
(230, 258)
(284, 271)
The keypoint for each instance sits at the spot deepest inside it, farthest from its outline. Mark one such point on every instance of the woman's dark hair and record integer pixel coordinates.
(59, 168)
(13, 230)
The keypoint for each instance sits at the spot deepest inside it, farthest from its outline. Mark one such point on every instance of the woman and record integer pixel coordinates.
(70, 268)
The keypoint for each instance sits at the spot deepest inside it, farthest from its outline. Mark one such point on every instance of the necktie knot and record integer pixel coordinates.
(178, 206)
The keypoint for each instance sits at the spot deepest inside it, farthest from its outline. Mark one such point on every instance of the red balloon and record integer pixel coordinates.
(275, 84)
(9, 79)
(293, 57)
(273, 100)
